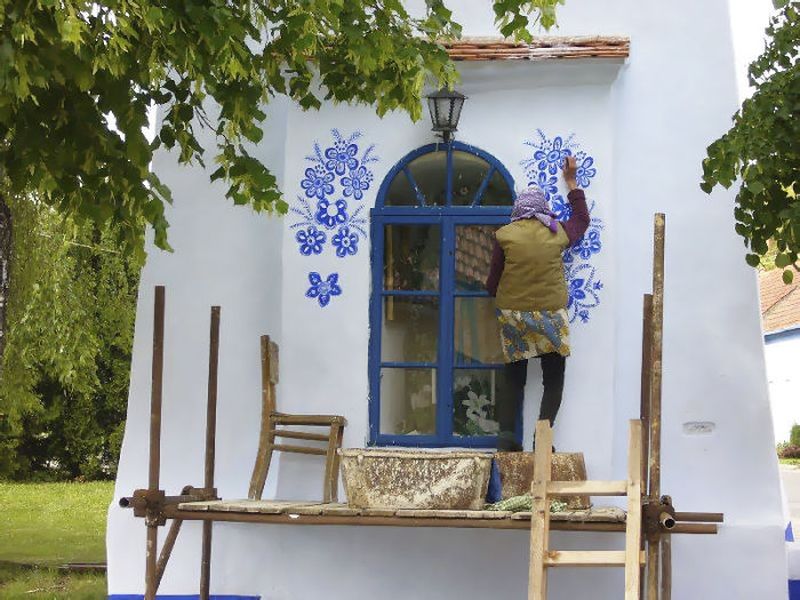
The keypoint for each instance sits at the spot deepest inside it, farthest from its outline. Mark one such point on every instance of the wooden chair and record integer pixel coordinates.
(271, 419)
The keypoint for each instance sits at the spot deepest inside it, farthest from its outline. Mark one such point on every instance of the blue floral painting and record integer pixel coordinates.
(334, 185)
(543, 170)
(323, 289)
(329, 214)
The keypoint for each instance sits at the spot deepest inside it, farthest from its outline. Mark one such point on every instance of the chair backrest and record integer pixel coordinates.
(269, 374)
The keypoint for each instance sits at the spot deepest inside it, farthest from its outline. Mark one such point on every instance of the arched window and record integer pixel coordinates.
(435, 359)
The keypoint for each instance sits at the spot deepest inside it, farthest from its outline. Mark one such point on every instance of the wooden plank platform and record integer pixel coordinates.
(317, 513)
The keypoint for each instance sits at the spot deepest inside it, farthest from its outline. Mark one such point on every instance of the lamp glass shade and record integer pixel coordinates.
(445, 108)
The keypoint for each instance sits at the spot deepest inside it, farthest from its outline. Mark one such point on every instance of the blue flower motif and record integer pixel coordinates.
(330, 215)
(345, 241)
(561, 207)
(575, 291)
(341, 157)
(547, 183)
(585, 172)
(310, 240)
(323, 290)
(589, 244)
(552, 155)
(357, 183)
(317, 183)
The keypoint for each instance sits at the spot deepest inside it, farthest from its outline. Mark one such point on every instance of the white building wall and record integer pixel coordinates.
(781, 352)
(646, 124)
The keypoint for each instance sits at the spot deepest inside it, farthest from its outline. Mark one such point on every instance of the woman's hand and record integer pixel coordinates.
(571, 172)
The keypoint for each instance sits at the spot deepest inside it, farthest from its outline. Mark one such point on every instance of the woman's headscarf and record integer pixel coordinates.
(531, 204)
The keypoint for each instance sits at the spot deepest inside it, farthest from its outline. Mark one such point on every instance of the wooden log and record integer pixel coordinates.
(540, 519)
(211, 432)
(154, 467)
(652, 569)
(666, 567)
(656, 356)
(156, 390)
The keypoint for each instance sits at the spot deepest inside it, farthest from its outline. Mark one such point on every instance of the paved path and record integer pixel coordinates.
(791, 483)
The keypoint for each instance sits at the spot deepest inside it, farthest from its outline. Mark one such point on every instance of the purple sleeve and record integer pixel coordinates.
(578, 222)
(496, 269)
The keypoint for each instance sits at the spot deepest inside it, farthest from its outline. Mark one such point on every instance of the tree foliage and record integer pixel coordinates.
(63, 393)
(762, 149)
(71, 68)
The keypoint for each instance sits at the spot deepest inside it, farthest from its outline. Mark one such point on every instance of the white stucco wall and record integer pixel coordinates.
(647, 124)
(781, 352)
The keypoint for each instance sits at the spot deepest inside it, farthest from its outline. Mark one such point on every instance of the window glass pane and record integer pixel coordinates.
(408, 401)
(411, 257)
(410, 329)
(429, 171)
(400, 192)
(497, 193)
(473, 256)
(476, 393)
(469, 171)
(476, 333)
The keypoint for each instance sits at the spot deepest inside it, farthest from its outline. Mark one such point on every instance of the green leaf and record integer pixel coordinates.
(787, 276)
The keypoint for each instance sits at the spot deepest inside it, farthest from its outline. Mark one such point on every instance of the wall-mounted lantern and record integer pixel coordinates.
(445, 108)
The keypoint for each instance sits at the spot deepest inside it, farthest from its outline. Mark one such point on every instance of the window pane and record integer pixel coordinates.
(476, 393)
(410, 329)
(469, 171)
(429, 171)
(473, 256)
(400, 192)
(476, 333)
(411, 257)
(497, 193)
(408, 401)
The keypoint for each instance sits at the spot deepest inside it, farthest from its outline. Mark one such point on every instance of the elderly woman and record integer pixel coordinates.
(527, 279)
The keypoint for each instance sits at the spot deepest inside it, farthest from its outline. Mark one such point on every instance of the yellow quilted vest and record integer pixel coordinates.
(533, 276)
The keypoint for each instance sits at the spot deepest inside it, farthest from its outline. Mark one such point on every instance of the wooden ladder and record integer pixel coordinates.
(543, 490)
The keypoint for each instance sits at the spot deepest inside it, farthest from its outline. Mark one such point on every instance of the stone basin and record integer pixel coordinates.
(415, 479)
(516, 474)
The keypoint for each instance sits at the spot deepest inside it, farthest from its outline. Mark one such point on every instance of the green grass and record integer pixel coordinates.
(48, 583)
(46, 525)
(790, 461)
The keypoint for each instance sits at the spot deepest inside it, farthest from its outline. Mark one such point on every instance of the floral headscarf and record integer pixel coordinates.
(531, 204)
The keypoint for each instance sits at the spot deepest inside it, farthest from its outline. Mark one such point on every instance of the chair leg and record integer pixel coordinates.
(263, 461)
(330, 492)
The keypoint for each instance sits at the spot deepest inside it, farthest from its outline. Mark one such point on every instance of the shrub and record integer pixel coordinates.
(789, 451)
(794, 436)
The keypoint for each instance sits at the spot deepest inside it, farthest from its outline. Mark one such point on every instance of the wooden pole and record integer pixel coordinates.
(656, 354)
(154, 472)
(666, 567)
(211, 433)
(644, 412)
(166, 549)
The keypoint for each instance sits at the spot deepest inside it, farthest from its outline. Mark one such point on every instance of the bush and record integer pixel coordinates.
(789, 451)
(794, 436)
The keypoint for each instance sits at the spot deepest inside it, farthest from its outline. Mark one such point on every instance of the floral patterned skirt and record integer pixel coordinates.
(527, 334)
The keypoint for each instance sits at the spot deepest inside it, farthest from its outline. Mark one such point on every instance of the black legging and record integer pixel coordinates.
(511, 397)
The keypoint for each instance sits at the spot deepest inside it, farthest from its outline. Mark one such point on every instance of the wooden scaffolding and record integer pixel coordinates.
(648, 523)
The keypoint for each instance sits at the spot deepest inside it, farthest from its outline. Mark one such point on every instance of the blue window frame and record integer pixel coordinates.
(436, 204)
